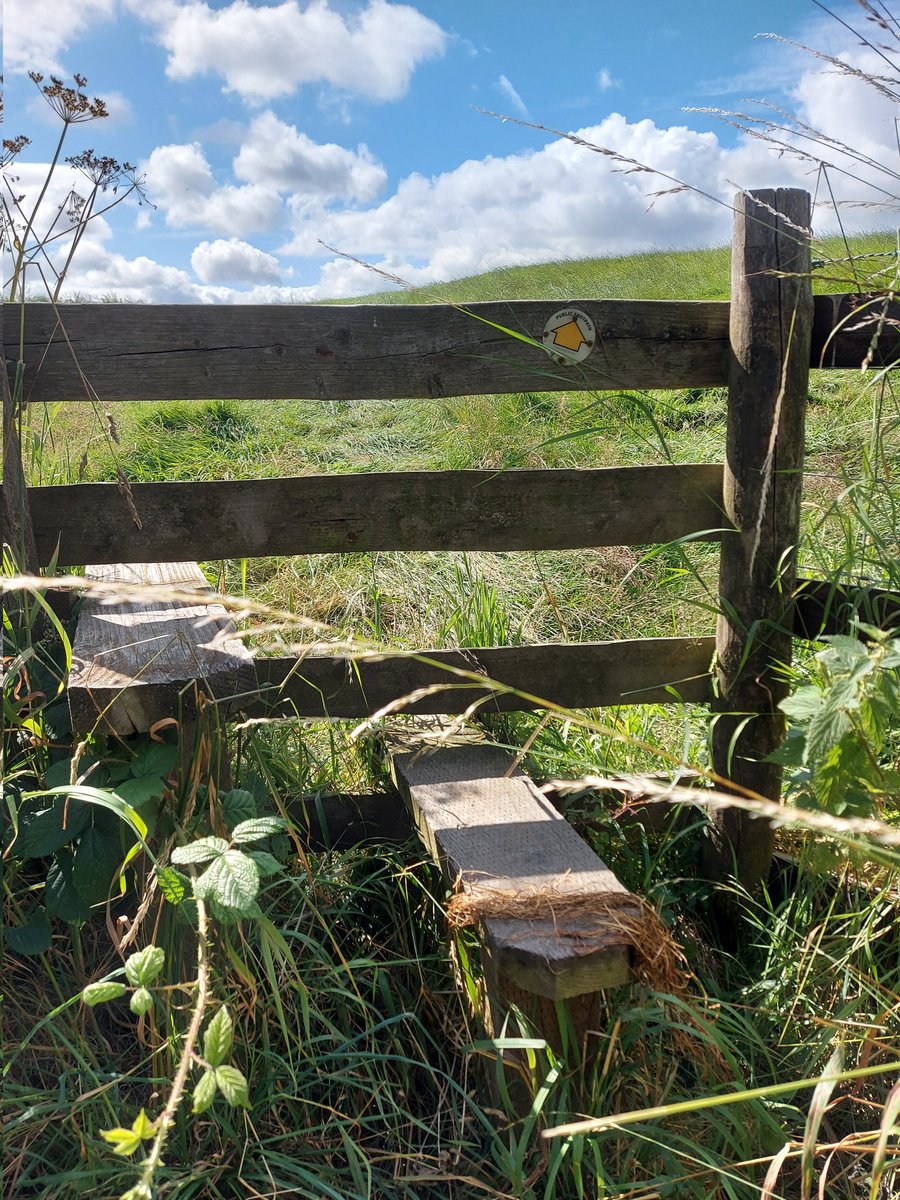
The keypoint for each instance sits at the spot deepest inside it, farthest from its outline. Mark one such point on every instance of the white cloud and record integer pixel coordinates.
(233, 261)
(278, 156)
(562, 201)
(266, 51)
(36, 32)
(512, 95)
(180, 181)
(605, 80)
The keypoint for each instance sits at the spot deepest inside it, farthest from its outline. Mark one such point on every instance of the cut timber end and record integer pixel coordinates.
(135, 661)
(490, 828)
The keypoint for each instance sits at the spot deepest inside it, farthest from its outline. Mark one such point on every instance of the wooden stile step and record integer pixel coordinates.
(133, 659)
(492, 831)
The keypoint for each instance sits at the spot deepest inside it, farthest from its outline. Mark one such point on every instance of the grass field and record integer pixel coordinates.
(365, 1064)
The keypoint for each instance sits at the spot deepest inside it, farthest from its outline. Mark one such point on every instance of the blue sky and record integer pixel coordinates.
(264, 130)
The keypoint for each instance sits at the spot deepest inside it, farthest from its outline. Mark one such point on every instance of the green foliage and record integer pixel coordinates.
(840, 725)
(128, 1141)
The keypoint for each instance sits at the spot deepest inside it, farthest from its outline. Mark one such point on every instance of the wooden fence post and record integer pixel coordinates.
(771, 325)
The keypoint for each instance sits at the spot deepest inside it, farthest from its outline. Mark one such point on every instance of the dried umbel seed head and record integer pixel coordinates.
(71, 104)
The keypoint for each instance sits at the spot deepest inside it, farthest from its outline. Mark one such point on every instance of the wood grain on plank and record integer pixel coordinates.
(360, 351)
(849, 330)
(490, 828)
(579, 675)
(408, 510)
(137, 660)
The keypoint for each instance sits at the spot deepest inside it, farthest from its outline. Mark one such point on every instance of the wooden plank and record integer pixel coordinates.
(136, 661)
(337, 821)
(404, 510)
(490, 829)
(849, 330)
(351, 352)
(580, 675)
(824, 608)
(771, 320)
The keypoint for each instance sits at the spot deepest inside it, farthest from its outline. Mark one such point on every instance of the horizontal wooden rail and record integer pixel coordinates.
(580, 675)
(419, 510)
(351, 352)
(583, 675)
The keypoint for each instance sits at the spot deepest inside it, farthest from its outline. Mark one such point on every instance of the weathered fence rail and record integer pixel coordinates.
(392, 351)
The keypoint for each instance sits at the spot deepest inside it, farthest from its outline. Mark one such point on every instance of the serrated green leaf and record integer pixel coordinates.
(218, 1038)
(123, 1141)
(267, 863)
(154, 758)
(61, 896)
(232, 880)
(143, 966)
(174, 886)
(237, 805)
(141, 1002)
(258, 828)
(102, 992)
(34, 937)
(141, 791)
(233, 1086)
(802, 704)
(204, 1092)
(200, 851)
(825, 731)
(98, 857)
(45, 826)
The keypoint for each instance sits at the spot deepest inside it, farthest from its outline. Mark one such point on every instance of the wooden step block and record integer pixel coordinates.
(492, 831)
(137, 661)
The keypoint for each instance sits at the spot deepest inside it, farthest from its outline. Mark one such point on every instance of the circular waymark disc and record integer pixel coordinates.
(569, 336)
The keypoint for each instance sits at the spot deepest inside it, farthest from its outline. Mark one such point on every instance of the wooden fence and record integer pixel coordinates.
(761, 346)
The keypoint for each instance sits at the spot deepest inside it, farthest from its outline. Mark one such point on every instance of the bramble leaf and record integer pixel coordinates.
(218, 1037)
(102, 991)
(33, 937)
(200, 851)
(237, 805)
(141, 1002)
(204, 1092)
(232, 880)
(258, 828)
(142, 967)
(233, 1086)
(174, 886)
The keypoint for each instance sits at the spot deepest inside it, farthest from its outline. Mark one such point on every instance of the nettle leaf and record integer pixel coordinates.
(154, 758)
(257, 829)
(200, 851)
(102, 992)
(237, 805)
(46, 825)
(267, 863)
(174, 886)
(204, 1092)
(61, 896)
(33, 937)
(233, 1086)
(141, 1002)
(218, 1038)
(232, 880)
(802, 704)
(825, 731)
(142, 967)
